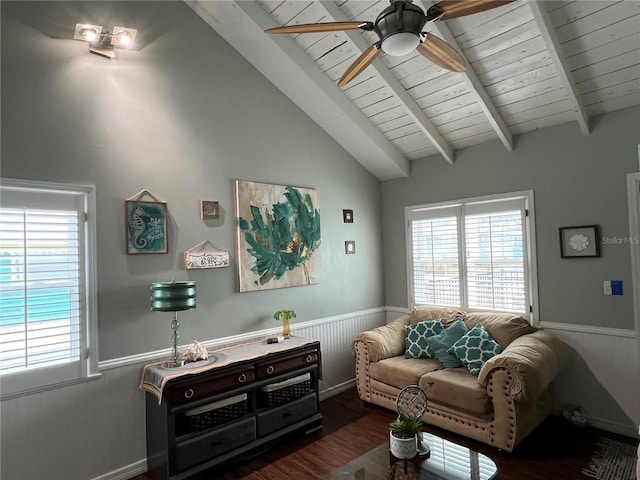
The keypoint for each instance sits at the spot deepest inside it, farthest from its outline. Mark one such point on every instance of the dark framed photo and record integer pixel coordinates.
(347, 216)
(580, 242)
(350, 247)
(146, 227)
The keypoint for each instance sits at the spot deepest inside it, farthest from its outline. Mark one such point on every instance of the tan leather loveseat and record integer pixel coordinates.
(504, 403)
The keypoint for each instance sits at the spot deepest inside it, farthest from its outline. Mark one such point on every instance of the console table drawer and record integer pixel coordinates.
(288, 414)
(187, 391)
(216, 443)
(287, 364)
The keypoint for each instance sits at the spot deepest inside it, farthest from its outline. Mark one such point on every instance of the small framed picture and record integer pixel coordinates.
(580, 242)
(209, 209)
(350, 247)
(347, 216)
(146, 227)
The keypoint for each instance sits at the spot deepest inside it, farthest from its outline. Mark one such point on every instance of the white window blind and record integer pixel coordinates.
(473, 254)
(46, 315)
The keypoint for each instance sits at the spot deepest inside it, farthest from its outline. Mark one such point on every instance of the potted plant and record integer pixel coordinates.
(285, 316)
(403, 441)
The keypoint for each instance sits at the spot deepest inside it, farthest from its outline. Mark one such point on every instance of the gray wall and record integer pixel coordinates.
(183, 116)
(577, 180)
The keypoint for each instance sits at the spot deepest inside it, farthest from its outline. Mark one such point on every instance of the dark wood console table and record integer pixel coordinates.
(237, 402)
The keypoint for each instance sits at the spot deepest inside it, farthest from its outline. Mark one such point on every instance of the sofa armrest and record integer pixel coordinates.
(382, 342)
(533, 360)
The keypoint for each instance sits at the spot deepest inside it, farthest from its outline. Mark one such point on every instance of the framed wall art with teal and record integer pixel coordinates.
(278, 236)
(146, 227)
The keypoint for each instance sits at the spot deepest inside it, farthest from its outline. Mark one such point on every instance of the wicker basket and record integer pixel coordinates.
(217, 413)
(285, 391)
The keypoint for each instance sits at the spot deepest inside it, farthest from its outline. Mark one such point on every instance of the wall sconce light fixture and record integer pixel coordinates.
(103, 43)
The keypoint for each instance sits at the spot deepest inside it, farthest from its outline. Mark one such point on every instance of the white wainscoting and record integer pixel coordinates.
(601, 375)
(96, 429)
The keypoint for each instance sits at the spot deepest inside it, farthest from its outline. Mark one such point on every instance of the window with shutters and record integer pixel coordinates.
(476, 254)
(47, 309)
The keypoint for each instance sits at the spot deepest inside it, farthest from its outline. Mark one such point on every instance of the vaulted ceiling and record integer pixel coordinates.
(530, 65)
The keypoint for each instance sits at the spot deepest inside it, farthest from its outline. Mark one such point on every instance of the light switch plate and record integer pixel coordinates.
(616, 287)
(607, 287)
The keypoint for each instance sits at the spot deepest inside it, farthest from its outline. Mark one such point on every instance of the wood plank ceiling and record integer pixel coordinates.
(530, 65)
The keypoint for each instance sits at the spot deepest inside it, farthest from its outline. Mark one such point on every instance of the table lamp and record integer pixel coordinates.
(173, 297)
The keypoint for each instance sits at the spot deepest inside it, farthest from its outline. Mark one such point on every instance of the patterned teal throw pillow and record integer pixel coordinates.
(441, 343)
(416, 335)
(475, 348)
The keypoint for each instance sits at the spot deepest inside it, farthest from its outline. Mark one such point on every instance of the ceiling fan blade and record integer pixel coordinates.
(319, 27)
(441, 53)
(363, 61)
(460, 8)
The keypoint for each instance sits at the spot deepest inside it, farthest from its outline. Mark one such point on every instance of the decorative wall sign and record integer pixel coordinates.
(350, 247)
(580, 241)
(205, 255)
(278, 236)
(347, 216)
(146, 225)
(209, 209)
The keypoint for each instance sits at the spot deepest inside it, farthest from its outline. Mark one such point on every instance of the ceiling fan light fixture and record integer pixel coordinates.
(400, 43)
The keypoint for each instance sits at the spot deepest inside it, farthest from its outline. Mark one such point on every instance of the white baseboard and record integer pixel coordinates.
(627, 430)
(336, 389)
(124, 473)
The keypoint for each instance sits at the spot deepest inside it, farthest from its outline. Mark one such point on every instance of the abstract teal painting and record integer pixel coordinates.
(278, 236)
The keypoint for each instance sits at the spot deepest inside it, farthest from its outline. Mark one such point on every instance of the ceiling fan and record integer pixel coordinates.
(399, 27)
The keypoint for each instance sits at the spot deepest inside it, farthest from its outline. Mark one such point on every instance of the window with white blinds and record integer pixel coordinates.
(46, 270)
(473, 254)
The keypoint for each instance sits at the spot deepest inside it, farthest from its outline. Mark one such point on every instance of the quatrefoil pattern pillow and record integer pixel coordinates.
(416, 338)
(475, 348)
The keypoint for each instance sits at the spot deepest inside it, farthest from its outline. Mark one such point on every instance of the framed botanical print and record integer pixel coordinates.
(146, 227)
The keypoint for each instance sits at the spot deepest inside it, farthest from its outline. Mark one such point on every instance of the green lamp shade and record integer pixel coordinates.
(173, 296)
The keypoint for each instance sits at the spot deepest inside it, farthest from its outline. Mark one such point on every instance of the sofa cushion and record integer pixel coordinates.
(474, 348)
(416, 338)
(456, 388)
(447, 314)
(441, 343)
(503, 327)
(400, 372)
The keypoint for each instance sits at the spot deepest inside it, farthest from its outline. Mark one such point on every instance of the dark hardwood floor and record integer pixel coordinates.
(556, 450)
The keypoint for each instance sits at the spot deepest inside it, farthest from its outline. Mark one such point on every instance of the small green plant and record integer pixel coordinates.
(403, 427)
(284, 314)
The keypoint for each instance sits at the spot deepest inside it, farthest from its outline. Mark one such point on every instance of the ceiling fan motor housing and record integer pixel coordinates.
(400, 17)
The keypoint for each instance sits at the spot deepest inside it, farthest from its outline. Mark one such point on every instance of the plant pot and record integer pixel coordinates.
(403, 447)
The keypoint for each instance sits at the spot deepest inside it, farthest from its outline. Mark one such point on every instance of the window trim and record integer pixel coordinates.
(531, 270)
(26, 382)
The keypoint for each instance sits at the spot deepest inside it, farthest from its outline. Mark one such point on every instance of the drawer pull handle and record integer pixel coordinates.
(242, 378)
(290, 413)
(270, 369)
(188, 393)
(219, 442)
(309, 358)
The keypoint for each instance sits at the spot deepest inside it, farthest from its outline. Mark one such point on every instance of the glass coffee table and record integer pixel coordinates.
(446, 461)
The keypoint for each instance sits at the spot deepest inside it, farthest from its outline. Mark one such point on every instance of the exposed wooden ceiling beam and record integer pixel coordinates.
(550, 37)
(291, 70)
(334, 14)
(474, 85)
